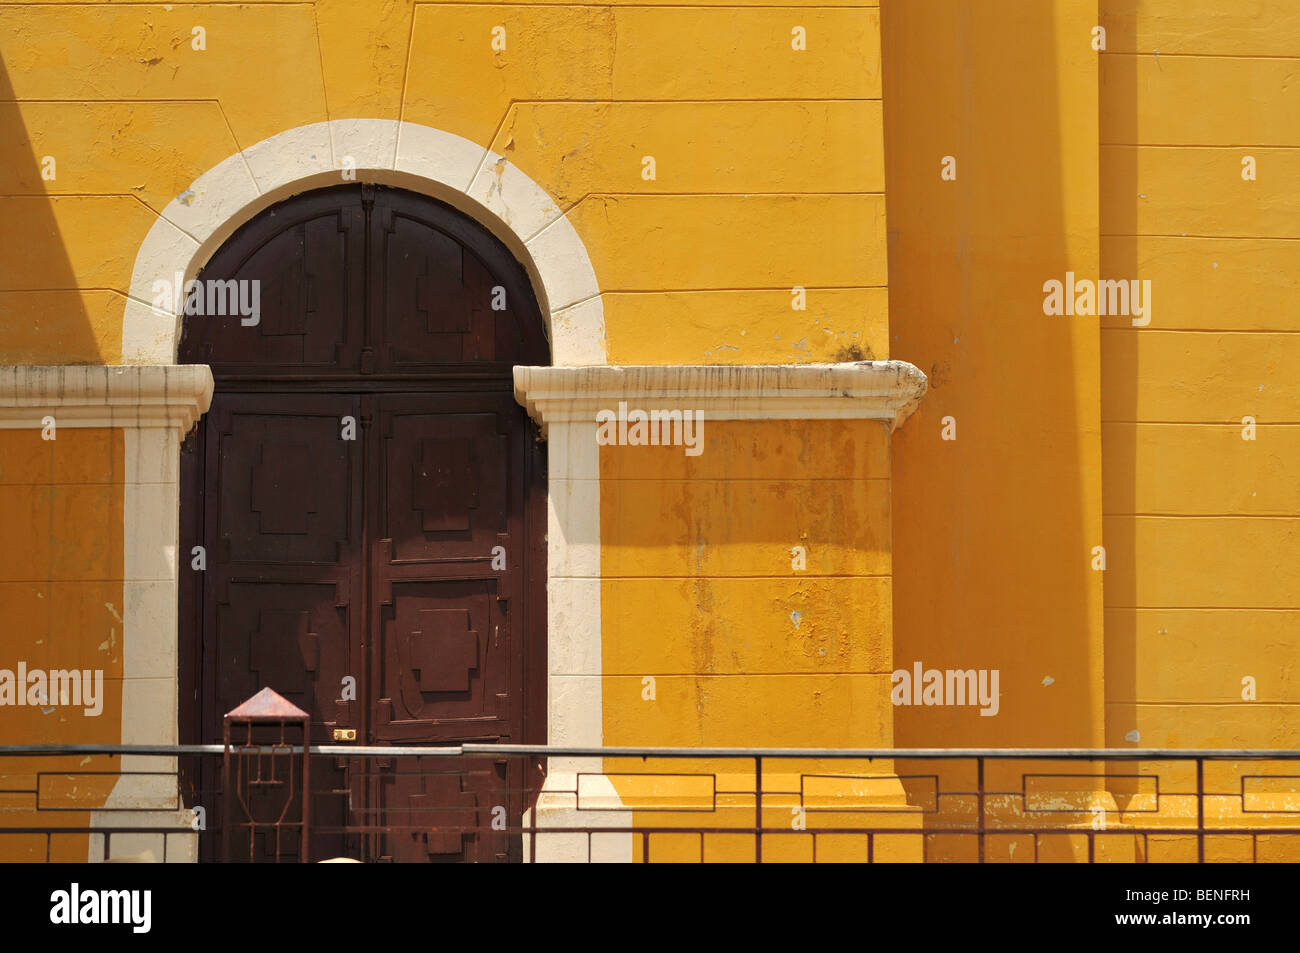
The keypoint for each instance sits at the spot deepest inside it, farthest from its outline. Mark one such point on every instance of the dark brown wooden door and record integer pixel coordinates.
(371, 498)
(445, 661)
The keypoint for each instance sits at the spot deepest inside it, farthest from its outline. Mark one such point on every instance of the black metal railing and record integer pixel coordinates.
(653, 803)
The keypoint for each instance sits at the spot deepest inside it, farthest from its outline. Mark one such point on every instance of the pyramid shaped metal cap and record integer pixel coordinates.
(267, 705)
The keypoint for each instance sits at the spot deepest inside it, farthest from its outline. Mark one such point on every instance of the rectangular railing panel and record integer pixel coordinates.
(690, 805)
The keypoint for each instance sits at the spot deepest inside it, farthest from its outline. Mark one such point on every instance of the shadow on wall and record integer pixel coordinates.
(992, 530)
(61, 592)
(46, 317)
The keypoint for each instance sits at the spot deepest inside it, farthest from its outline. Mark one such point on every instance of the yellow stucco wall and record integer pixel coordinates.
(768, 156)
(1203, 527)
(1128, 161)
(61, 599)
(1203, 589)
(718, 633)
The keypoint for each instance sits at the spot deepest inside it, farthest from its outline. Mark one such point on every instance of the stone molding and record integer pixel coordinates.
(169, 396)
(868, 390)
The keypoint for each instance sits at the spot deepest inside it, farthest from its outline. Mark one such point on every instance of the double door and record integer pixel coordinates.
(368, 558)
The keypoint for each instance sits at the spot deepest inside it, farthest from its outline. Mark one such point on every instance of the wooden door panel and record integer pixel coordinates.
(444, 295)
(442, 665)
(446, 483)
(292, 637)
(309, 258)
(448, 490)
(285, 480)
(435, 794)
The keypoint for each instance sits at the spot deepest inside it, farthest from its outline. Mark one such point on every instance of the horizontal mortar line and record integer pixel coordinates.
(828, 673)
(784, 288)
(1295, 608)
(725, 479)
(93, 102)
(706, 195)
(1204, 516)
(1192, 145)
(115, 291)
(1203, 423)
(1199, 609)
(83, 195)
(52, 484)
(1112, 327)
(683, 102)
(1191, 516)
(572, 206)
(638, 673)
(80, 581)
(64, 484)
(1216, 238)
(634, 6)
(1205, 704)
(1155, 54)
(155, 3)
(577, 481)
(787, 578)
(69, 195)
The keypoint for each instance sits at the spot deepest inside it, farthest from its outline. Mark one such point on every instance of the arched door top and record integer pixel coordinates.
(362, 282)
(487, 187)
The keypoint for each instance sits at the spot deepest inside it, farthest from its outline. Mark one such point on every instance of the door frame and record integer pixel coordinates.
(497, 194)
(450, 382)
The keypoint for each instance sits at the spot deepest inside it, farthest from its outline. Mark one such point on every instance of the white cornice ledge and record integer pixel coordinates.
(871, 390)
(135, 396)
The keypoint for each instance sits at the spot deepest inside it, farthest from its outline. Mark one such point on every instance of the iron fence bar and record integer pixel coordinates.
(226, 806)
(304, 838)
(640, 829)
(872, 754)
(865, 754)
(756, 755)
(1200, 810)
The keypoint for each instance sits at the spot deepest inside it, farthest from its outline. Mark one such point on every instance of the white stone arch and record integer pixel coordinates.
(468, 176)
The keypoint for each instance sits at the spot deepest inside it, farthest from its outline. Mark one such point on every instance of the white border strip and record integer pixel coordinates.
(445, 166)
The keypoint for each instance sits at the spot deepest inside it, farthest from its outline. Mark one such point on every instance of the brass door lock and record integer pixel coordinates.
(345, 734)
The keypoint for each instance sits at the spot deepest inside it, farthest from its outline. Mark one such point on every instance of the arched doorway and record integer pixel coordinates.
(371, 504)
